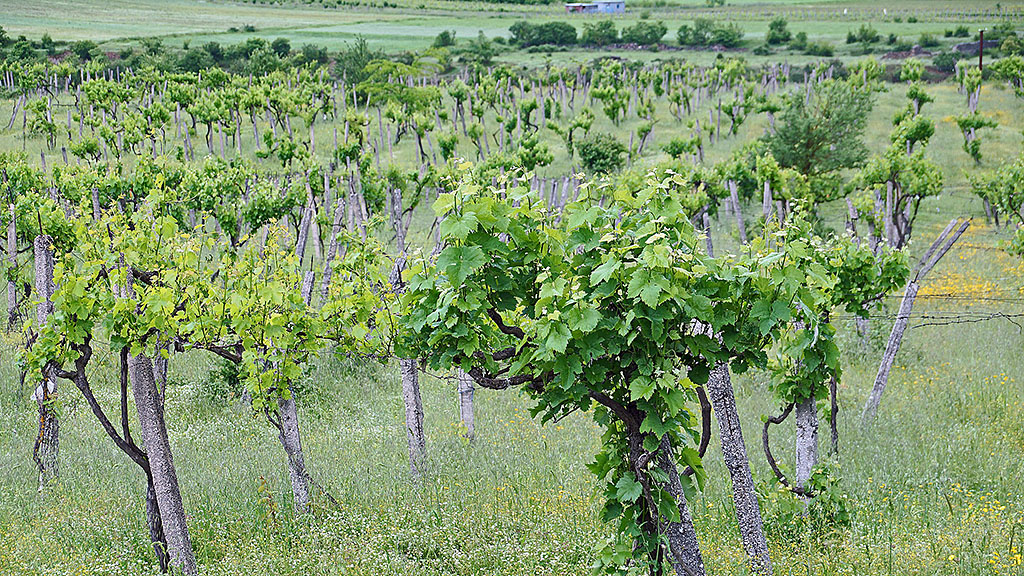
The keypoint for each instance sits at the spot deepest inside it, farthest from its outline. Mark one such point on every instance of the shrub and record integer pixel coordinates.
(195, 60)
(799, 41)
(778, 31)
(85, 49)
(866, 34)
(820, 49)
(644, 33)
(600, 33)
(912, 19)
(707, 32)
(928, 41)
(527, 34)
(281, 46)
(730, 35)
(479, 51)
(444, 39)
(1012, 45)
(313, 53)
(946, 61)
(601, 154)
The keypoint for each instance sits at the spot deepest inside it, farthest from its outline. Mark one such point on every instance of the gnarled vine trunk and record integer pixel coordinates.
(682, 537)
(156, 526)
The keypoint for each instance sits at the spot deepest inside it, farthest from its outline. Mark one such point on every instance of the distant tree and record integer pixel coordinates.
(444, 39)
(195, 60)
(601, 154)
(707, 32)
(600, 33)
(820, 49)
(313, 53)
(866, 34)
(214, 50)
(85, 50)
(479, 51)
(351, 62)
(527, 34)
(644, 33)
(47, 45)
(799, 41)
(263, 62)
(281, 46)
(153, 46)
(21, 49)
(822, 134)
(778, 31)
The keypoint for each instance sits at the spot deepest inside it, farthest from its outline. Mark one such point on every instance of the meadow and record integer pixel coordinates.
(935, 486)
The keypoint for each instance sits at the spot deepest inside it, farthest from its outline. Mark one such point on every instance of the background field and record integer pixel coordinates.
(936, 485)
(412, 24)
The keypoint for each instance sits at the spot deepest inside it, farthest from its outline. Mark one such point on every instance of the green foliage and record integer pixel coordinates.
(822, 134)
(928, 41)
(778, 31)
(1011, 70)
(479, 51)
(85, 50)
(351, 63)
(444, 39)
(526, 34)
(821, 48)
(969, 124)
(605, 308)
(799, 41)
(1004, 188)
(600, 33)
(866, 34)
(601, 153)
(644, 33)
(707, 32)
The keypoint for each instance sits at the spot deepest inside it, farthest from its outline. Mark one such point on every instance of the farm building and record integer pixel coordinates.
(597, 7)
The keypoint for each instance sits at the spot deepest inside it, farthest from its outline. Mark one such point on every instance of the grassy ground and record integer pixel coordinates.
(935, 485)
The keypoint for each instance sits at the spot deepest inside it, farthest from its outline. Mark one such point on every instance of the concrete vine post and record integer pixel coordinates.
(47, 445)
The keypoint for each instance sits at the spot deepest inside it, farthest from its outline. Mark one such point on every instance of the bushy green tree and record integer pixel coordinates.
(822, 134)
(527, 34)
(600, 33)
(644, 33)
(602, 153)
(707, 32)
(778, 31)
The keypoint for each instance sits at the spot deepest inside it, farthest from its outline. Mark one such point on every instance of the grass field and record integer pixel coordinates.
(412, 24)
(935, 485)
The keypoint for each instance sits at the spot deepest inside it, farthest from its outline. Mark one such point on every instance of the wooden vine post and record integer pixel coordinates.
(938, 249)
